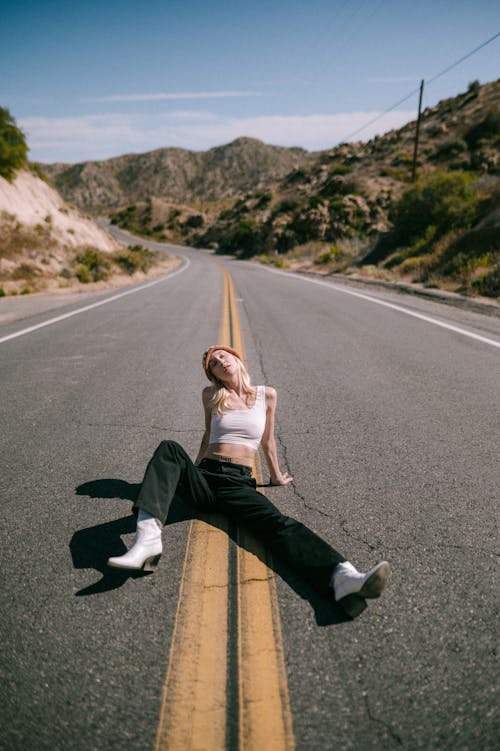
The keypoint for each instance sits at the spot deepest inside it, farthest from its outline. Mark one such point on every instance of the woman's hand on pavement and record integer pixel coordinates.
(283, 479)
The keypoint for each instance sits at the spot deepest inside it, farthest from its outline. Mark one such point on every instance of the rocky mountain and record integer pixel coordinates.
(175, 175)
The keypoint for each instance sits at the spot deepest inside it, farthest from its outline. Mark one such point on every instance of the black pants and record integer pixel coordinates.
(230, 489)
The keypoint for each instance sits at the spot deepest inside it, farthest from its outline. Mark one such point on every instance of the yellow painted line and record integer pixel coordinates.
(194, 707)
(225, 328)
(193, 714)
(264, 714)
(265, 718)
(193, 710)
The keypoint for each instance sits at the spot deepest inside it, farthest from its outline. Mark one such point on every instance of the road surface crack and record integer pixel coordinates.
(385, 725)
(284, 452)
(355, 537)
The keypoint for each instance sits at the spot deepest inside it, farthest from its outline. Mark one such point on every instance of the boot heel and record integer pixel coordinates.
(353, 605)
(150, 564)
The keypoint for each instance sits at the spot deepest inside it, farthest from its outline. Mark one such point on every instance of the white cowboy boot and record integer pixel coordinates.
(351, 587)
(147, 548)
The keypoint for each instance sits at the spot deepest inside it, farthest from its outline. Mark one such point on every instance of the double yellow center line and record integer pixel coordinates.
(226, 683)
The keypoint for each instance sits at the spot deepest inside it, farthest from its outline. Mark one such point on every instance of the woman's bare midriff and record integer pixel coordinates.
(231, 452)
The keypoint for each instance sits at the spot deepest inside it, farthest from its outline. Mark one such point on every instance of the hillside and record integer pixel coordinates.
(348, 211)
(335, 211)
(33, 203)
(349, 190)
(46, 244)
(175, 175)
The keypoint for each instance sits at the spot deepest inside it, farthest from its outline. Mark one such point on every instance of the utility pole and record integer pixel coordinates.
(417, 131)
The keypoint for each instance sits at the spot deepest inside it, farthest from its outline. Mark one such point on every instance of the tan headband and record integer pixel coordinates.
(208, 356)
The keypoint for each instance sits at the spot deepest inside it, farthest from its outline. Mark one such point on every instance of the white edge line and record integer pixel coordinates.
(50, 321)
(338, 288)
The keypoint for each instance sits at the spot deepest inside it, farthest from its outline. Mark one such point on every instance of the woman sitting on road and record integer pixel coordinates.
(238, 418)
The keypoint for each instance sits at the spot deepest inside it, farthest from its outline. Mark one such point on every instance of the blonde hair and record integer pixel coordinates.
(220, 396)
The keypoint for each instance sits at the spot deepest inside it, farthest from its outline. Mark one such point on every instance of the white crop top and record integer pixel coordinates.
(243, 426)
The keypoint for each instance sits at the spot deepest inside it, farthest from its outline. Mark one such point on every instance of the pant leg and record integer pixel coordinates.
(171, 472)
(288, 539)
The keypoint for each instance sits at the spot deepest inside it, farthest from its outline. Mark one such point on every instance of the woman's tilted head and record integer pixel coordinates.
(222, 365)
(216, 358)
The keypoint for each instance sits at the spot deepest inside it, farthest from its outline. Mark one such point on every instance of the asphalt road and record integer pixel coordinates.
(388, 423)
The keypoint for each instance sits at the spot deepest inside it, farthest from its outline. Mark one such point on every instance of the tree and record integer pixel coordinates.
(13, 147)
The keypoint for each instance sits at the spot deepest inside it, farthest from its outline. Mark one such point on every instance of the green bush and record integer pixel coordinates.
(306, 226)
(446, 200)
(489, 128)
(341, 169)
(194, 222)
(297, 176)
(37, 170)
(26, 271)
(454, 147)
(402, 158)
(285, 241)
(91, 263)
(396, 174)
(338, 185)
(281, 263)
(2, 292)
(474, 87)
(82, 273)
(246, 238)
(334, 253)
(13, 147)
(264, 199)
(285, 206)
(127, 218)
(489, 284)
(422, 245)
(135, 258)
(337, 206)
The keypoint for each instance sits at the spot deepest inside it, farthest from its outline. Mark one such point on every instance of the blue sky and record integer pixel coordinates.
(96, 79)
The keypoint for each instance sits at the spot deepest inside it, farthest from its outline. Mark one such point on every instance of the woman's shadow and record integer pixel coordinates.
(91, 548)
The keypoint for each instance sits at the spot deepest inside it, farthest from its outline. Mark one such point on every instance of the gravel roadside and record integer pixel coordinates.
(15, 308)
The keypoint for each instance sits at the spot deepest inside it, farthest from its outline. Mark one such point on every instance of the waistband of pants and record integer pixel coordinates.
(212, 465)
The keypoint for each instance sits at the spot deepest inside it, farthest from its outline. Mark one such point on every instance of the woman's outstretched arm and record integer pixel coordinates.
(268, 442)
(205, 396)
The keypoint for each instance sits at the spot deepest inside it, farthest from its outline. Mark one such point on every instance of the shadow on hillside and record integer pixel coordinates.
(91, 547)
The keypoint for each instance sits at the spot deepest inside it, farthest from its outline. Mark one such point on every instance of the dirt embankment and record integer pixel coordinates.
(34, 203)
(48, 245)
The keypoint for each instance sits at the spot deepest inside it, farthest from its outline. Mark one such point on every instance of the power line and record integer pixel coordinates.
(334, 28)
(346, 37)
(469, 54)
(430, 80)
(374, 120)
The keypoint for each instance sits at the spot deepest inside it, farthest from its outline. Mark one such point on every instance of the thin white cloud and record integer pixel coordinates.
(164, 96)
(74, 139)
(395, 79)
(188, 115)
